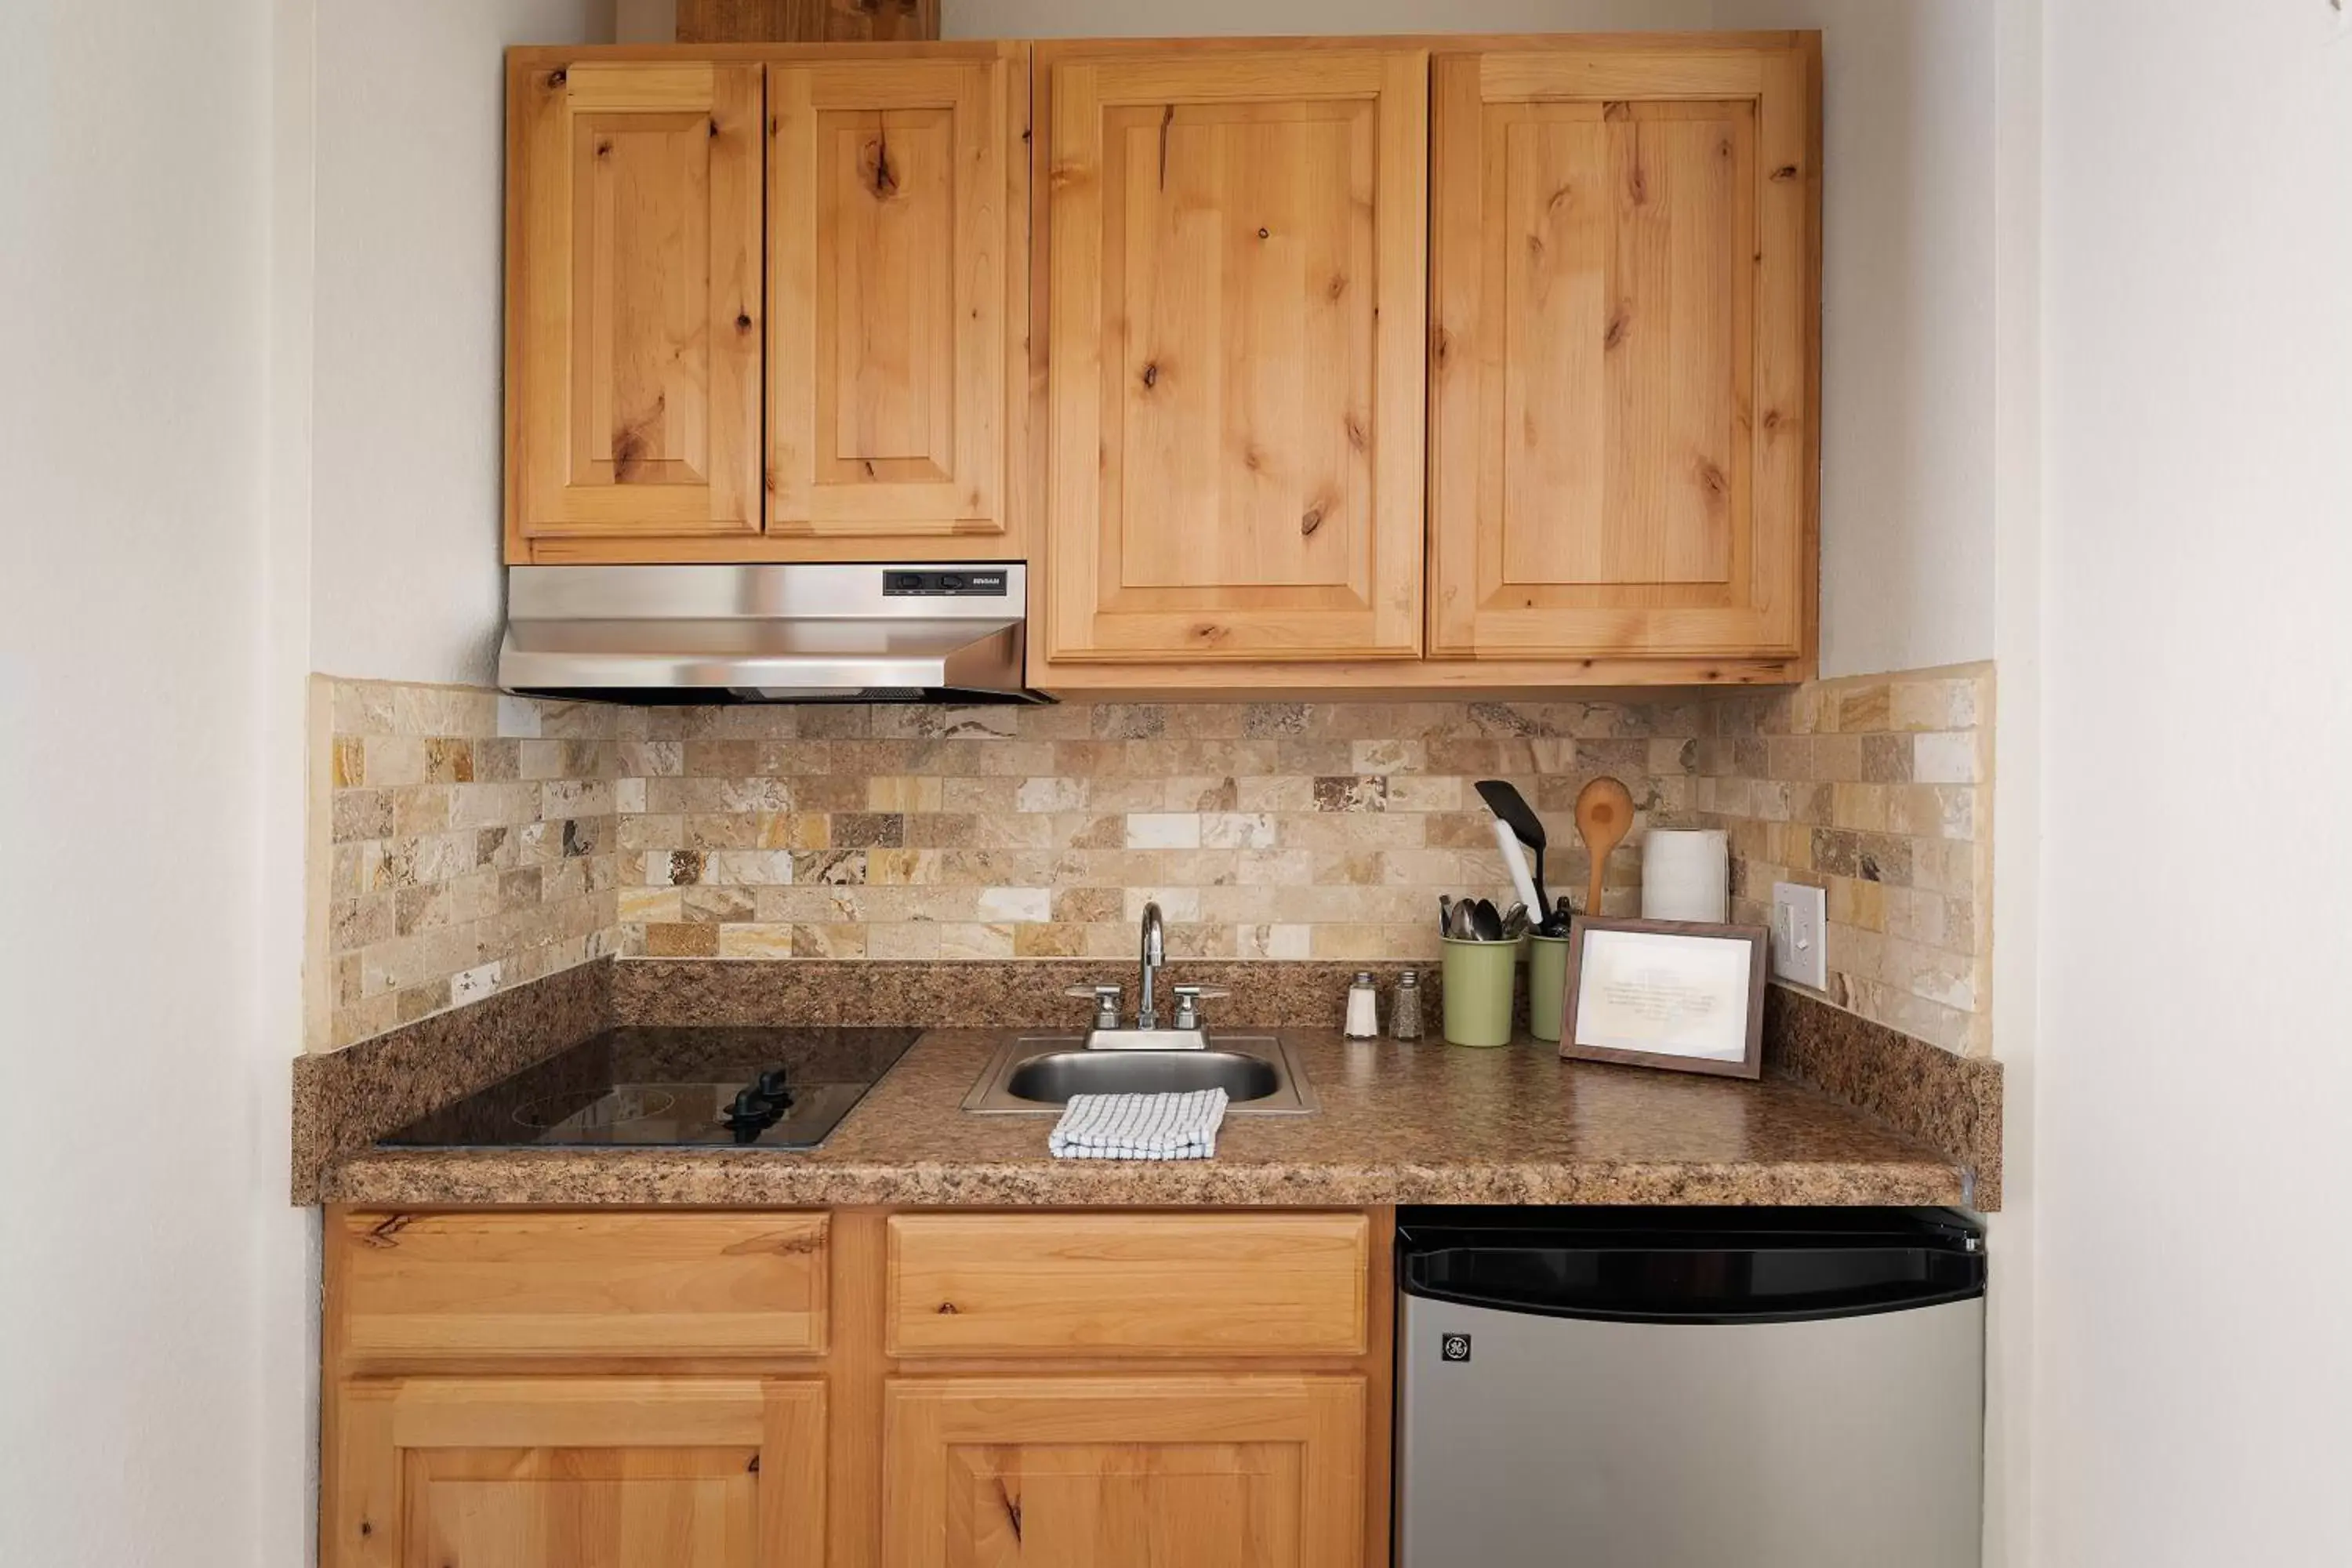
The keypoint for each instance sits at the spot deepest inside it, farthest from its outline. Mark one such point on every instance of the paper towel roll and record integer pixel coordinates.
(1686, 875)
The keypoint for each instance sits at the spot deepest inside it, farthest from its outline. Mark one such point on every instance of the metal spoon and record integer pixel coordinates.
(1444, 914)
(1487, 920)
(1461, 925)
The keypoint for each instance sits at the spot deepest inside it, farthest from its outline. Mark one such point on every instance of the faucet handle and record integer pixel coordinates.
(1106, 1001)
(1188, 1003)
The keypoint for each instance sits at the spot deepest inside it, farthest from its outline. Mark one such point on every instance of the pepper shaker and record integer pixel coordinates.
(1405, 1012)
(1363, 1009)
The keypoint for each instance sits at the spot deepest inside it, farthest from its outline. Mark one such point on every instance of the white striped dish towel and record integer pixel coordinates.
(1139, 1126)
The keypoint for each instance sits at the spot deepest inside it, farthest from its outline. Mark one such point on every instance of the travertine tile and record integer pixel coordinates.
(1946, 758)
(453, 872)
(1016, 904)
(474, 842)
(1163, 830)
(1879, 789)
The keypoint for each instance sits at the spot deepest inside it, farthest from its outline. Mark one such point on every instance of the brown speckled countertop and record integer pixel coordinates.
(1399, 1124)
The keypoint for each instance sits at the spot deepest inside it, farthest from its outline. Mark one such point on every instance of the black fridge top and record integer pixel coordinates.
(1691, 1265)
(756, 1088)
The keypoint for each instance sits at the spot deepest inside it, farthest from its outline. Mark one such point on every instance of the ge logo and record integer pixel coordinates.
(1454, 1347)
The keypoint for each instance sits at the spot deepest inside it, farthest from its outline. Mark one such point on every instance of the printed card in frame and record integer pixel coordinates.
(1683, 995)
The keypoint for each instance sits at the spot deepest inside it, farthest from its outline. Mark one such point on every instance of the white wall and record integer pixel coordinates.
(1908, 326)
(2017, 780)
(153, 1353)
(410, 168)
(2195, 1088)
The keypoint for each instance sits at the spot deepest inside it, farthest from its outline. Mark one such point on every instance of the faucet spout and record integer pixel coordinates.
(1155, 953)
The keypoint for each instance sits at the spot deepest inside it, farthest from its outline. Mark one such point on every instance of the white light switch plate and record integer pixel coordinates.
(1801, 935)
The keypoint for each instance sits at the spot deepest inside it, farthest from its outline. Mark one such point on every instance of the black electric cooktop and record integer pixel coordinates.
(767, 1088)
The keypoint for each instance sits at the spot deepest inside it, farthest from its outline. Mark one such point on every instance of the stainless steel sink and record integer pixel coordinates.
(1040, 1072)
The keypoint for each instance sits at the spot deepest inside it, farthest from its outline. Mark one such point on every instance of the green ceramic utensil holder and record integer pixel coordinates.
(1478, 979)
(1547, 984)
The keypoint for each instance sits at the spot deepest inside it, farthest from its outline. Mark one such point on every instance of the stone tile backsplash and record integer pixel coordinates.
(472, 842)
(1878, 789)
(466, 841)
(1263, 830)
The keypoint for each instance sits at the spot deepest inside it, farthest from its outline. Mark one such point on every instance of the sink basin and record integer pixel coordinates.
(1040, 1073)
(1054, 1076)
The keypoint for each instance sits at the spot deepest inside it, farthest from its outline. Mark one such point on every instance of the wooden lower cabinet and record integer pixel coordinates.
(1092, 1472)
(856, 1388)
(577, 1472)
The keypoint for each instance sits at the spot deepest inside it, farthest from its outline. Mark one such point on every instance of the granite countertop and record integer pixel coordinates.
(1399, 1124)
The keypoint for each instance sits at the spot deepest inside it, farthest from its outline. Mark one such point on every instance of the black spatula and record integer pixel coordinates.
(1510, 807)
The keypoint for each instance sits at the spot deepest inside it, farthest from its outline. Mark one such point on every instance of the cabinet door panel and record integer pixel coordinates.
(577, 1473)
(1620, 414)
(892, 253)
(1234, 385)
(635, 295)
(1097, 1472)
(591, 1508)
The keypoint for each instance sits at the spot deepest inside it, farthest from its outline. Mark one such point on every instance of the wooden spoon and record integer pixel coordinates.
(1604, 811)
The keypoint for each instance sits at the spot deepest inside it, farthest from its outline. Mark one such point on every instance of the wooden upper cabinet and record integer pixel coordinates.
(1236, 290)
(634, 251)
(564, 1472)
(1622, 351)
(897, 283)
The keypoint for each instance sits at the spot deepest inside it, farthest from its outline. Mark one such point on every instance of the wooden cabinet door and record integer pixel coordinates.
(1203, 1471)
(634, 290)
(1235, 294)
(576, 1472)
(1623, 426)
(897, 261)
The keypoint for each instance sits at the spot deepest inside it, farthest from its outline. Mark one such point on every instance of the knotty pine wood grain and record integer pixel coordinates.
(559, 1285)
(1619, 413)
(1235, 264)
(898, 294)
(1148, 1285)
(634, 299)
(806, 21)
(533, 1473)
(1071, 1472)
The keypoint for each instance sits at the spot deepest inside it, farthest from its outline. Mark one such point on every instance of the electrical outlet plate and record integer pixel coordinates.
(1801, 935)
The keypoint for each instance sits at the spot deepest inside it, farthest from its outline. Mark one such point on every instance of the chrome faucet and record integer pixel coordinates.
(1155, 953)
(1190, 1029)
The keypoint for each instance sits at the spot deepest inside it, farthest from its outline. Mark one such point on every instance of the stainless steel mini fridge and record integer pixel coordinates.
(1692, 1388)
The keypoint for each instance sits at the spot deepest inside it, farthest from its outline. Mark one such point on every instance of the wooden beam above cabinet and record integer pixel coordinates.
(807, 21)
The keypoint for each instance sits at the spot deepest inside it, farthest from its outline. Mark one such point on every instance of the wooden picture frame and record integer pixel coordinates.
(1579, 1020)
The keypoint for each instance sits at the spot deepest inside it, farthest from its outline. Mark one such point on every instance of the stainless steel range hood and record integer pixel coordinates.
(768, 633)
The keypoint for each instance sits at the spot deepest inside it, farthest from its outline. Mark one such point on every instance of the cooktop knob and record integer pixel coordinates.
(750, 1105)
(775, 1084)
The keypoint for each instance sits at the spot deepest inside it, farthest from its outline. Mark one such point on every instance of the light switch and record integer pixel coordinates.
(1801, 935)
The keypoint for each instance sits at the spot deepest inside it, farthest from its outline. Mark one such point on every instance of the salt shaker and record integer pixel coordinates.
(1404, 1013)
(1363, 1009)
